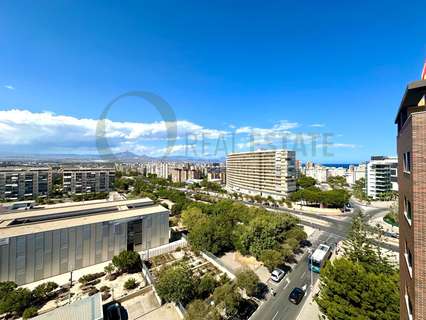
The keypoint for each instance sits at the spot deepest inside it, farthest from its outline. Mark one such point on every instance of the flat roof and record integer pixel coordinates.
(23, 168)
(320, 252)
(260, 151)
(413, 93)
(71, 207)
(8, 229)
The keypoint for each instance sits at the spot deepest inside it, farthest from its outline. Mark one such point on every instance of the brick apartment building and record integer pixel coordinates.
(411, 146)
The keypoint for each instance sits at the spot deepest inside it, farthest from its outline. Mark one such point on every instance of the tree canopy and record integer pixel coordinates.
(175, 283)
(248, 280)
(228, 297)
(201, 310)
(127, 261)
(358, 189)
(227, 226)
(306, 182)
(336, 198)
(337, 182)
(362, 284)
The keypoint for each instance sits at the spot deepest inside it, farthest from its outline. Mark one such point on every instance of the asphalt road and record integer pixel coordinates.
(279, 307)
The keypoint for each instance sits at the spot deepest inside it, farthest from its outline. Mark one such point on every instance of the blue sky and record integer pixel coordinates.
(229, 69)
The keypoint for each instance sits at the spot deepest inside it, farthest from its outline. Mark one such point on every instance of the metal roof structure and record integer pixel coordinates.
(89, 308)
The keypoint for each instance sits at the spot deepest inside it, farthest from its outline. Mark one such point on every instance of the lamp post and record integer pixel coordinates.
(69, 292)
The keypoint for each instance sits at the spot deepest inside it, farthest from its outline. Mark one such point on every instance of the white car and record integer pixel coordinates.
(277, 275)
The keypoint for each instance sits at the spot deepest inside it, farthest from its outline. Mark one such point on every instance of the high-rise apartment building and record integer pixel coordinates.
(381, 176)
(185, 173)
(17, 183)
(411, 145)
(86, 180)
(266, 173)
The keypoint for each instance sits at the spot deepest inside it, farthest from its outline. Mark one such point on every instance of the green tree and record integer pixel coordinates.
(175, 283)
(228, 297)
(109, 269)
(29, 313)
(201, 310)
(349, 291)
(248, 280)
(44, 291)
(206, 286)
(271, 259)
(359, 190)
(359, 247)
(337, 182)
(127, 261)
(16, 301)
(363, 284)
(306, 182)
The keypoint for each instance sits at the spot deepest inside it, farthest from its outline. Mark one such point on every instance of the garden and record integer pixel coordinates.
(119, 278)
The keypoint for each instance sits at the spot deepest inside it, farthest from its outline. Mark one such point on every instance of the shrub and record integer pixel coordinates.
(29, 312)
(104, 289)
(109, 268)
(127, 261)
(105, 296)
(15, 301)
(130, 284)
(90, 277)
(92, 291)
(248, 281)
(206, 286)
(43, 291)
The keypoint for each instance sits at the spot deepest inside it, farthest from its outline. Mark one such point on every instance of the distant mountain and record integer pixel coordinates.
(122, 156)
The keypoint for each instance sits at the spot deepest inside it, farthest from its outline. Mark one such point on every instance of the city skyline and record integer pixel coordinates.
(249, 70)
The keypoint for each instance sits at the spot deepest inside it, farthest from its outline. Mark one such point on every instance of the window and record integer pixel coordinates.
(407, 211)
(409, 259)
(408, 304)
(407, 162)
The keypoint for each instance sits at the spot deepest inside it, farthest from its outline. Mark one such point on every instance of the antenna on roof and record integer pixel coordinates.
(424, 71)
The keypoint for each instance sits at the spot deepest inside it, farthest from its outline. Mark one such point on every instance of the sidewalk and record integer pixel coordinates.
(310, 309)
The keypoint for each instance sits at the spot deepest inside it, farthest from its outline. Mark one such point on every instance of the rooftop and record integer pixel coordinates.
(17, 223)
(89, 308)
(413, 94)
(260, 151)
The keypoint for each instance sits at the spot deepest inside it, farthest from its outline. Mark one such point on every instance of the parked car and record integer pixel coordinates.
(296, 295)
(114, 311)
(391, 234)
(277, 275)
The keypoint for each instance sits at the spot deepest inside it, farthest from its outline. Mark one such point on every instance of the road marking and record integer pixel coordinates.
(304, 273)
(273, 318)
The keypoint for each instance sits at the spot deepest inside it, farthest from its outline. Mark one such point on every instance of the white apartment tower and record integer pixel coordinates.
(265, 173)
(381, 175)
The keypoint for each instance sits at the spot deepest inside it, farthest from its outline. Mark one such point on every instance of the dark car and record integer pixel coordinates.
(296, 295)
(114, 311)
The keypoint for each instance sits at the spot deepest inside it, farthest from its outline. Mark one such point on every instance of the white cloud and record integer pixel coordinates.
(277, 129)
(317, 125)
(337, 145)
(9, 87)
(48, 130)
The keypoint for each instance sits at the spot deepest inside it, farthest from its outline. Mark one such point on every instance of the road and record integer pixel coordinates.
(279, 307)
(331, 230)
